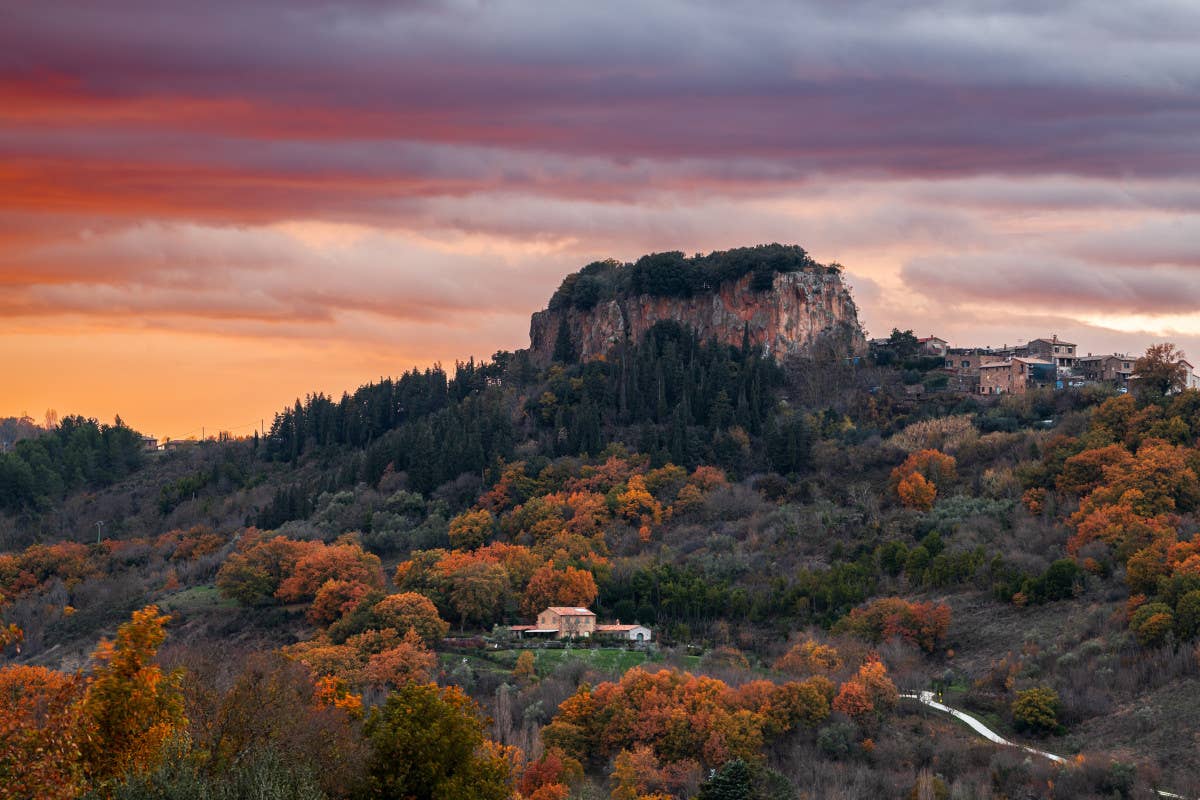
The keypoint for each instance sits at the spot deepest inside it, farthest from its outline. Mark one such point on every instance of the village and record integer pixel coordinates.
(1048, 362)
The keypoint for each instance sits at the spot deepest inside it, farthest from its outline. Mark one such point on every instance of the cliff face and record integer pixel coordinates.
(802, 310)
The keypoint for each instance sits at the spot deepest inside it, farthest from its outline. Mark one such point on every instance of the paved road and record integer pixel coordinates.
(926, 699)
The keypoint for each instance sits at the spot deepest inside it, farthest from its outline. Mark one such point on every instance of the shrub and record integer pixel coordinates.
(1036, 710)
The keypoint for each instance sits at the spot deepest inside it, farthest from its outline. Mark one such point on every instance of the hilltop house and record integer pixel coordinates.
(1115, 368)
(1054, 350)
(1015, 375)
(567, 622)
(933, 345)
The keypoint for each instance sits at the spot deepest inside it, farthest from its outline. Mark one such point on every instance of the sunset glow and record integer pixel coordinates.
(210, 209)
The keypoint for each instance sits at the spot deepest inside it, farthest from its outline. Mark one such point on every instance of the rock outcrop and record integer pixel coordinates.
(801, 313)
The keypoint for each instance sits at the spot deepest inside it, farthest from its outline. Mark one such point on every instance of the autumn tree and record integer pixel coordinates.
(809, 658)
(550, 776)
(344, 561)
(553, 587)
(869, 691)
(428, 743)
(922, 624)
(253, 576)
(1160, 371)
(916, 491)
(39, 744)
(477, 592)
(637, 505)
(1036, 710)
(131, 707)
(411, 611)
(471, 529)
(524, 670)
(407, 662)
(335, 598)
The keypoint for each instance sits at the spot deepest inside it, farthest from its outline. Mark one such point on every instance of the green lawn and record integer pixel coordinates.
(196, 598)
(610, 660)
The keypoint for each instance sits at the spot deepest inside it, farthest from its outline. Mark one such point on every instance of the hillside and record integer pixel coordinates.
(805, 538)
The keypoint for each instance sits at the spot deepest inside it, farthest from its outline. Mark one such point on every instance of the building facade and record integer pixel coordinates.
(1015, 375)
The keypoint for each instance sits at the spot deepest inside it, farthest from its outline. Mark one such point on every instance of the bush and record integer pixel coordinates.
(1036, 710)
(836, 739)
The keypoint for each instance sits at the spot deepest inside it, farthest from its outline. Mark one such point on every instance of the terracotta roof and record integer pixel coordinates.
(568, 611)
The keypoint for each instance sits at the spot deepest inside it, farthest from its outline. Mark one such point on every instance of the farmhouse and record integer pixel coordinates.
(571, 622)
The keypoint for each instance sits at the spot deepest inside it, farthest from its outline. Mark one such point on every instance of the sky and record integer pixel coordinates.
(210, 209)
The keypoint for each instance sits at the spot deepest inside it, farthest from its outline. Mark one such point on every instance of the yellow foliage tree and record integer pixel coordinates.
(471, 529)
(131, 707)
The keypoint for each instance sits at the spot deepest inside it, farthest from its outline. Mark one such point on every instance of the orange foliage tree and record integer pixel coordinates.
(553, 587)
(916, 491)
(344, 560)
(922, 624)
(253, 575)
(869, 691)
(809, 658)
(39, 749)
(679, 715)
(335, 598)
(934, 465)
(407, 662)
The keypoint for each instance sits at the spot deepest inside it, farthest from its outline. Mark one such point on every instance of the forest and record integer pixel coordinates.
(323, 612)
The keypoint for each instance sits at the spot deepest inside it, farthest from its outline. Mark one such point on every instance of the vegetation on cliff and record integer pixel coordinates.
(672, 274)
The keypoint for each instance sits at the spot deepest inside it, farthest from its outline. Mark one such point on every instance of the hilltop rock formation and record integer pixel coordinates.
(802, 313)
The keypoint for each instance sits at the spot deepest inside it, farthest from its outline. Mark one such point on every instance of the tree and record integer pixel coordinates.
(916, 491)
(922, 624)
(344, 561)
(1152, 623)
(1187, 615)
(741, 780)
(554, 587)
(810, 658)
(131, 707)
(408, 662)
(39, 748)
(477, 592)
(870, 690)
(428, 743)
(471, 529)
(525, 669)
(1036, 710)
(1160, 371)
(564, 345)
(334, 599)
(412, 611)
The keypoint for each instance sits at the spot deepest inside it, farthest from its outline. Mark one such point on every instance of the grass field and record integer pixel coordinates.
(196, 598)
(614, 661)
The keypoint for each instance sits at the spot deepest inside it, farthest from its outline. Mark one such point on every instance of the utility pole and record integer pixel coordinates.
(99, 525)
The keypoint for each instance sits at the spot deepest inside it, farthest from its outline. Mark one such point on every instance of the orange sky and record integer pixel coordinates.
(209, 210)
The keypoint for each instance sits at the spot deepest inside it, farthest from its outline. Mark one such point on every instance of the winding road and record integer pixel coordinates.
(926, 699)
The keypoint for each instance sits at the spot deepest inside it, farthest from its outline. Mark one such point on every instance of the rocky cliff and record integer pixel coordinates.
(800, 312)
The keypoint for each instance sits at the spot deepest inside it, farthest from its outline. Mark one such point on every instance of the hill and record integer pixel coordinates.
(805, 538)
